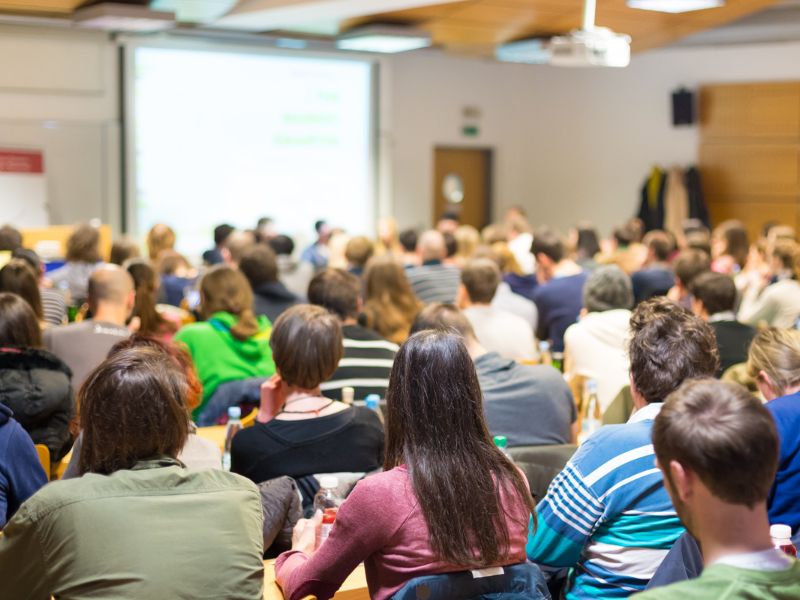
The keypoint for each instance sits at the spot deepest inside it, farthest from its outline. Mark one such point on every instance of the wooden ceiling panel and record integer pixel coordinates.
(41, 6)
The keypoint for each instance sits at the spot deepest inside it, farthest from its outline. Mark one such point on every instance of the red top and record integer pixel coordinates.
(382, 526)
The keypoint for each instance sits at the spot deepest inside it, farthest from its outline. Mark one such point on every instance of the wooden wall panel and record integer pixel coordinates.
(761, 110)
(736, 167)
(754, 214)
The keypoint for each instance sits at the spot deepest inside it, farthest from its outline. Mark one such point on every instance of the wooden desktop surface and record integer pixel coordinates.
(353, 588)
(214, 433)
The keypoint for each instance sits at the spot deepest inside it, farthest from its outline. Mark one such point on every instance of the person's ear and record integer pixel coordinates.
(682, 481)
(638, 400)
(462, 297)
(766, 387)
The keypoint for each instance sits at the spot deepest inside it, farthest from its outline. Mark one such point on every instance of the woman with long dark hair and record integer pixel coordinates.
(447, 501)
(151, 321)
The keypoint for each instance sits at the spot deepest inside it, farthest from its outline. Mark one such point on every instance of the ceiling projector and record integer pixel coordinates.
(597, 47)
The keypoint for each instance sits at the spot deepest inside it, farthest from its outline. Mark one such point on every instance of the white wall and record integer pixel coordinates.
(569, 144)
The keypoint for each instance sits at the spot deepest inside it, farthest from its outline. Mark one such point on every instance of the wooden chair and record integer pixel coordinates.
(44, 458)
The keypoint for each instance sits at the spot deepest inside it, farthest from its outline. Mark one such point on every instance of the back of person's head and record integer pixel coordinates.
(774, 358)
(31, 258)
(171, 263)
(307, 346)
(83, 244)
(385, 280)
(690, 264)
(699, 240)
(223, 289)
(548, 242)
(259, 264)
(623, 236)
(237, 243)
(607, 288)
(123, 249)
(444, 317)
(221, 233)
(480, 278)
(436, 427)
(160, 237)
(717, 292)
(132, 408)
(467, 240)
(588, 241)
(431, 246)
(668, 345)
(319, 226)
(358, 251)
(722, 434)
(494, 233)
(17, 277)
(336, 290)
(636, 228)
(19, 327)
(786, 252)
(408, 240)
(517, 223)
(505, 258)
(111, 285)
(145, 282)
(450, 244)
(174, 352)
(283, 245)
(10, 238)
(731, 238)
(659, 244)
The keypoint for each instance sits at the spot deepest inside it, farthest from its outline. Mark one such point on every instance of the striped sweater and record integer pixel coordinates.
(607, 514)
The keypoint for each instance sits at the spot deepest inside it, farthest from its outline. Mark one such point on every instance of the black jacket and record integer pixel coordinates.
(271, 299)
(36, 386)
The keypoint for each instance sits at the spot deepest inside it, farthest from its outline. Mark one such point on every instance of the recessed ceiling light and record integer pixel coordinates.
(675, 6)
(112, 16)
(383, 39)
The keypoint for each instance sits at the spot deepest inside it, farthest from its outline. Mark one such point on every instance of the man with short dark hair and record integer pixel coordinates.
(214, 256)
(10, 238)
(689, 264)
(368, 358)
(717, 447)
(655, 278)
(714, 299)
(512, 392)
(559, 296)
(607, 514)
(408, 240)
(497, 330)
(433, 281)
(270, 296)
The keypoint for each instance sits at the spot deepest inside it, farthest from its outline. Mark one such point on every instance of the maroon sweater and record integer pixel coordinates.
(382, 526)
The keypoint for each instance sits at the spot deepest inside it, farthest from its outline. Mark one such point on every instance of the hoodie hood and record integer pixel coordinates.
(274, 290)
(251, 348)
(5, 414)
(610, 327)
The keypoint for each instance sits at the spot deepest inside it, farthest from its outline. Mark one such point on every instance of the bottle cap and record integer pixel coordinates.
(234, 412)
(372, 401)
(544, 346)
(348, 394)
(328, 482)
(500, 441)
(329, 516)
(780, 532)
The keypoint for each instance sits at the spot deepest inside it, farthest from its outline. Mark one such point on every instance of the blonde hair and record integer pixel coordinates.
(467, 241)
(160, 237)
(776, 352)
(505, 258)
(226, 290)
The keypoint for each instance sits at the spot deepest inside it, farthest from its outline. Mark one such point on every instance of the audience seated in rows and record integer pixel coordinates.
(358, 251)
(529, 405)
(21, 473)
(390, 305)
(137, 524)
(299, 432)
(559, 294)
(34, 383)
(147, 317)
(368, 358)
(504, 297)
(607, 514)
(124, 249)
(270, 295)
(230, 348)
(84, 345)
(295, 275)
(83, 257)
(17, 277)
(688, 265)
(514, 280)
(54, 305)
(497, 330)
(214, 255)
(655, 278)
(177, 276)
(774, 298)
(714, 299)
(432, 280)
(595, 346)
(431, 510)
(717, 448)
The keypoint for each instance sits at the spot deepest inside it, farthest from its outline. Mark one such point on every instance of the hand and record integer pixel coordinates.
(304, 536)
(271, 399)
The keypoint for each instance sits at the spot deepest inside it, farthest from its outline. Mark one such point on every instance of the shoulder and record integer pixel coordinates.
(394, 483)
(614, 447)
(33, 358)
(364, 417)
(193, 331)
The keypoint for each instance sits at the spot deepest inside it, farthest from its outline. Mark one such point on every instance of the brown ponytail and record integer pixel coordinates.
(226, 290)
(152, 323)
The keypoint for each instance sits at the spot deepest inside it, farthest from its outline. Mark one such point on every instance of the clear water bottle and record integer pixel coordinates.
(591, 415)
(545, 358)
(373, 402)
(501, 442)
(231, 429)
(782, 539)
(328, 495)
(348, 394)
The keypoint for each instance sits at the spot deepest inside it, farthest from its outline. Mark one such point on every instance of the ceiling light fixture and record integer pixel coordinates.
(112, 16)
(384, 39)
(675, 6)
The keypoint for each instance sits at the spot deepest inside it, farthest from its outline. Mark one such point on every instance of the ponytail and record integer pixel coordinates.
(247, 325)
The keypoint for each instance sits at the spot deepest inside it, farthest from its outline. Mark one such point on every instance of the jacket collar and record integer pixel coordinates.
(646, 413)
(157, 463)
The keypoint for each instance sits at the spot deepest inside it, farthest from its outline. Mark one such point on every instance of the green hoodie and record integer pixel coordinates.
(220, 357)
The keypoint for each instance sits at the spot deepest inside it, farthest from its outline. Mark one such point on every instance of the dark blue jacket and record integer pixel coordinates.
(21, 473)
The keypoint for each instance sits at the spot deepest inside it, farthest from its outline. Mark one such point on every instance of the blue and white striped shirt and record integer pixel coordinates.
(607, 513)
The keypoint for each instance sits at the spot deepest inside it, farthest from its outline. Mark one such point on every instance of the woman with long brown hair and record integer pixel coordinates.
(231, 344)
(151, 321)
(391, 305)
(448, 499)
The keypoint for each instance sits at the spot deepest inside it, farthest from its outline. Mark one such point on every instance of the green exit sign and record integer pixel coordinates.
(470, 130)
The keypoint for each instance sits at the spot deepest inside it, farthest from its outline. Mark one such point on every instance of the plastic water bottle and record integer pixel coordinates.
(545, 358)
(373, 402)
(591, 417)
(231, 429)
(348, 394)
(328, 519)
(782, 539)
(328, 501)
(501, 442)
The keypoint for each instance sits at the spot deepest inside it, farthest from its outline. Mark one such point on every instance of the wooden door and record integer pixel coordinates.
(462, 183)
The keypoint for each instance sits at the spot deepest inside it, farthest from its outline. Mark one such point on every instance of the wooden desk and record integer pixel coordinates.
(214, 433)
(353, 588)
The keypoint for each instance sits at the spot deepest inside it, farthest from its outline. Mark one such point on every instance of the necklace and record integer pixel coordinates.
(315, 411)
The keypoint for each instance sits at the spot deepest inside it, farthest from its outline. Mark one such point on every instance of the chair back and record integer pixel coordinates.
(523, 581)
(620, 409)
(44, 458)
(541, 464)
(250, 419)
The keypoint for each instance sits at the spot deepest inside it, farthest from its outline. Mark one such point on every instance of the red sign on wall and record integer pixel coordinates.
(21, 161)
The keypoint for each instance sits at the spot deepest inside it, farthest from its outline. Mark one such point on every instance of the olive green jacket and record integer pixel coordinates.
(155, 531)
